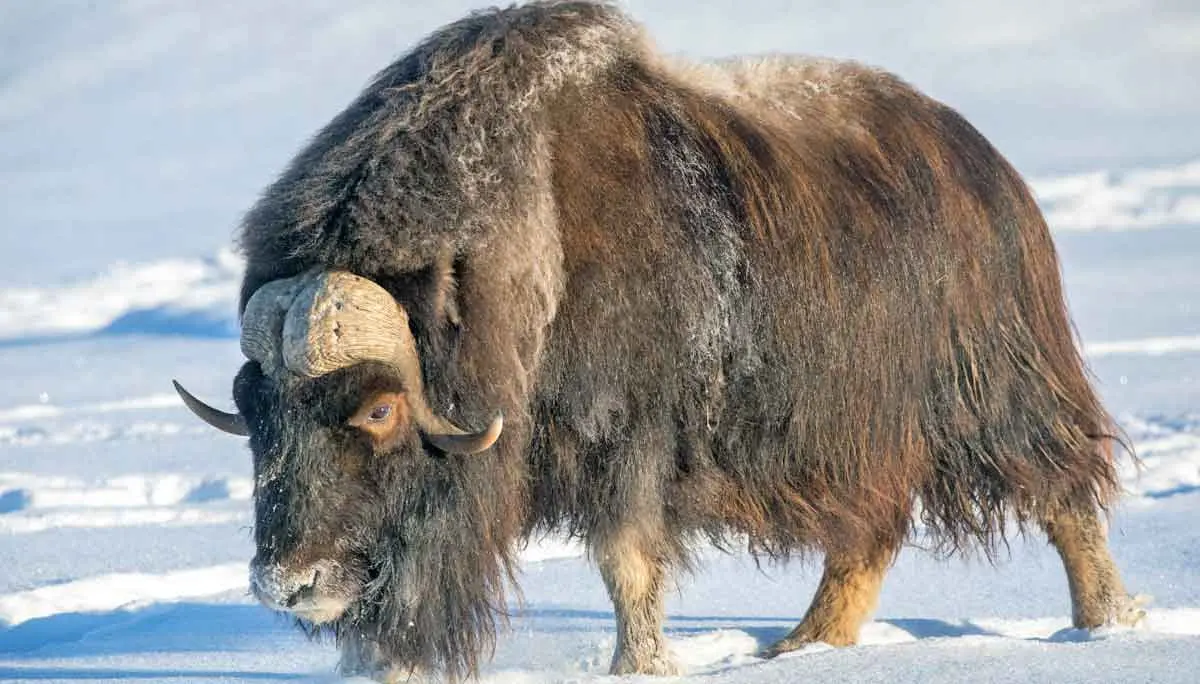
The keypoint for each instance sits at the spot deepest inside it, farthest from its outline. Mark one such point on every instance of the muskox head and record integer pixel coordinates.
(333, 403)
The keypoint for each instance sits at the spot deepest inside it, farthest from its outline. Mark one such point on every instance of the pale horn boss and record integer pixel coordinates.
(317, 323)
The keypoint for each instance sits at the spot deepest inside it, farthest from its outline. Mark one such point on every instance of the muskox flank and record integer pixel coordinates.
(539, 277)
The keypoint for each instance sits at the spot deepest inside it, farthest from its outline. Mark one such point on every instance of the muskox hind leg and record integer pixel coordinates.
(634, 572)
(846, 597)
(1098, 596)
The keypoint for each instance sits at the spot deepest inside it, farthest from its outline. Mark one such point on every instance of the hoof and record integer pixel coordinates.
(1127, 611)
(660, 664)
(803, 636)
(785, 645)
(1132, 611)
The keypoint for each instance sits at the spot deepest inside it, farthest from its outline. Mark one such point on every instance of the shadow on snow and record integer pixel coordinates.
(87, 673)
(186, 627)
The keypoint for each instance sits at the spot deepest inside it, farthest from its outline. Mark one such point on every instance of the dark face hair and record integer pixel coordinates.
(320, 482)
(417, 562)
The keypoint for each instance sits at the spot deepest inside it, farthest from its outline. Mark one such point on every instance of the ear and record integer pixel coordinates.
(384, 416)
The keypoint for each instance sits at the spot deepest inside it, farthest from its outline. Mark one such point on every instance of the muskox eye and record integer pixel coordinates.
(381, 414)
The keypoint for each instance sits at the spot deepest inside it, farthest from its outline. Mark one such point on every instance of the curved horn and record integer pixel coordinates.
(233, 423)
(339, 319)
(455, 441)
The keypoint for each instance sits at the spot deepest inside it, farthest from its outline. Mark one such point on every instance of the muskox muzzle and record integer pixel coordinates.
(316, 593)
(319, 322)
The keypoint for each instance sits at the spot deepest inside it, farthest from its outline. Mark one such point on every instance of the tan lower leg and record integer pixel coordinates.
(847, 595)
(634, 576)
(1097, 594)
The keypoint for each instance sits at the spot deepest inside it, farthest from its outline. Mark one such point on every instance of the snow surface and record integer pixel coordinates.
(133, 133)
(1137, 199)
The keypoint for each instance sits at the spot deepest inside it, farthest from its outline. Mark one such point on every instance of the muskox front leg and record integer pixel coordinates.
(1098, 596)
(634, 573)
(847, 595)
(361, 657)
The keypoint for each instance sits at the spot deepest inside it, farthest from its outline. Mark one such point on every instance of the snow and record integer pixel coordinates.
(184, 296)
(1137, 199)
(133, 133)
(110, 592)
(1152, 345)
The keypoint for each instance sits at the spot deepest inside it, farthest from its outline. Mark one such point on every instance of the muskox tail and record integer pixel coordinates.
(1013, 425)
(1017, 451)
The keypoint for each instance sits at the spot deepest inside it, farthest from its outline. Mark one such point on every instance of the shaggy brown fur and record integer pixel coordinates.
(784, 300)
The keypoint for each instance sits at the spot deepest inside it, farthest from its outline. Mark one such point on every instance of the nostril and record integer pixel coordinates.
(281, 588)
(305, 590)
(312, 593)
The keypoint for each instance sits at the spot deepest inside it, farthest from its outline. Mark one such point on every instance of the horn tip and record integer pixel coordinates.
(494, 429)
(233, 423)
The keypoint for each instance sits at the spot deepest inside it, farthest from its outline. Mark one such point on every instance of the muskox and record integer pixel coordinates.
(538, 277)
